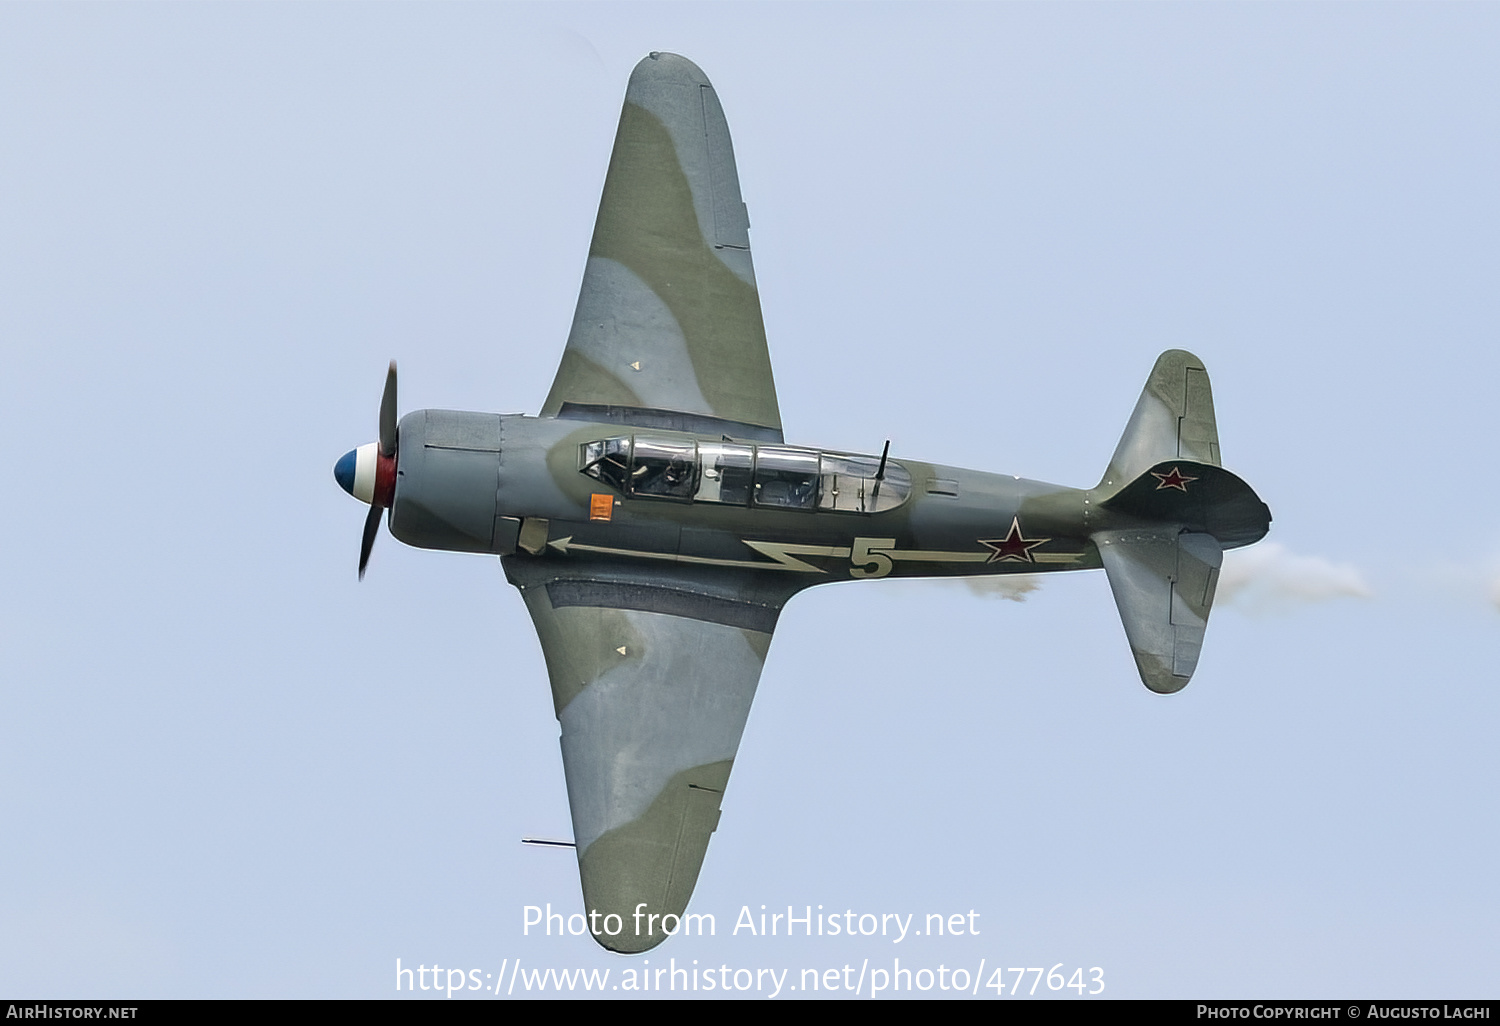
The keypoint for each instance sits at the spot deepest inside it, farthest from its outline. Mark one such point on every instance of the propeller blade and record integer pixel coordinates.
(372, 528)
(388, 414)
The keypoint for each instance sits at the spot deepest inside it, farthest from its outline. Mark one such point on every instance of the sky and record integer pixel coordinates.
(231, 769)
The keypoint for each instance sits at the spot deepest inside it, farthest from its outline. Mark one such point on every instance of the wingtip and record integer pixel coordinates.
(661, 65)
(1180, 359)
(627, 943)
(1157, 675)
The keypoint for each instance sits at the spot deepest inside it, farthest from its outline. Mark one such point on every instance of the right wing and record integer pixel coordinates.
(652, 679)
(668, 330)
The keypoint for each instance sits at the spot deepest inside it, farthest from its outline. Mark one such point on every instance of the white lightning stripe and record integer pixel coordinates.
(933, 556)
(785, 555)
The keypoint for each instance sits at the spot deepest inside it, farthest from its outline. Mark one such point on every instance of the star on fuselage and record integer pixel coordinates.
(1014, 547)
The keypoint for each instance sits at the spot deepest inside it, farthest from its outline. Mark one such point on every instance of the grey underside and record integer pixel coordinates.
(653, 671)
(654, 667)
(652, 680)
(668, 316)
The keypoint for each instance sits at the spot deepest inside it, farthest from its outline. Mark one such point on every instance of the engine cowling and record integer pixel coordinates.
(447, 481)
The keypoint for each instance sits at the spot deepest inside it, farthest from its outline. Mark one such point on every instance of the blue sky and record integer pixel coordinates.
(230, 769)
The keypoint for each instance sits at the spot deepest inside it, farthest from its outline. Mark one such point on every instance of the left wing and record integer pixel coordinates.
(668, 330)
(652, 680)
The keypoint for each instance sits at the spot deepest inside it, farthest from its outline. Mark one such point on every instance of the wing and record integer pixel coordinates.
(652, 680)
(668, 331)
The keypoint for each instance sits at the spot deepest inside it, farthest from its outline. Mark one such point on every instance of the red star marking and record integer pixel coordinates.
(1013, 547)
(1173, 478)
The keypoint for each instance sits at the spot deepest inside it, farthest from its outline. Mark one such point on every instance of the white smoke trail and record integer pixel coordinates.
(1269, 578)
(1265, 578)
(1004, 586)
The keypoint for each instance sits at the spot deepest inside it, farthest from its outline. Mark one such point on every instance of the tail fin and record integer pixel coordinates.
(1166, 512)
(1173, 419)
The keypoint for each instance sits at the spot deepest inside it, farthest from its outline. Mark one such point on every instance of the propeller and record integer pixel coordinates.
(388, 414)
(369, 472)
(372, 528)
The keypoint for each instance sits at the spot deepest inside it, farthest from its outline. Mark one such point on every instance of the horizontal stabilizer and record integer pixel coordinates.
(1195, 497)
(1164, 585)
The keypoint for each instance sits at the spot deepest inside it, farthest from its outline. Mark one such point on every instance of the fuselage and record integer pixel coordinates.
(575, 489)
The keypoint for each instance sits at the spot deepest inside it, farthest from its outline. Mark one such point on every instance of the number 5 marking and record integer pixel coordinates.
(868, 560)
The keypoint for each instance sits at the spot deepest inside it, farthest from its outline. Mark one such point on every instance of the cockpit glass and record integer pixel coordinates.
(664, 467)
(849, 484)
(736, 474)
(725, 475)
(608, 461)
(786, 478)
